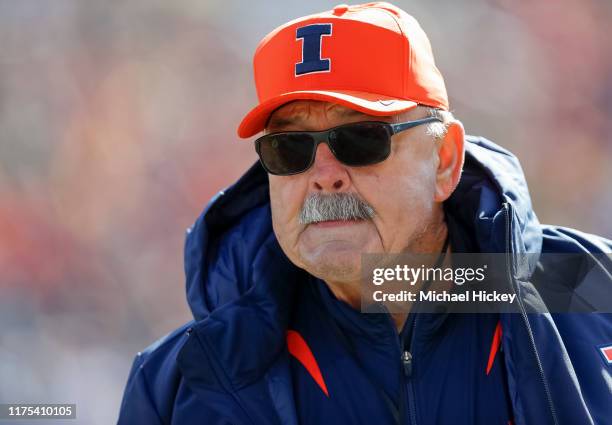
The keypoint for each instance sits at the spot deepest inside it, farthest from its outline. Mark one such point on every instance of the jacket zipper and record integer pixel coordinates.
(406, 378)
(551, 407)
(407, 366)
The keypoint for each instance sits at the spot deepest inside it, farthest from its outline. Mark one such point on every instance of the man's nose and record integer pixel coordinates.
(328, 174)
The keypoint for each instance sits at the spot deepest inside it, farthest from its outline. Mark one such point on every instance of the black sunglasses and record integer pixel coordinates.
(355, 145)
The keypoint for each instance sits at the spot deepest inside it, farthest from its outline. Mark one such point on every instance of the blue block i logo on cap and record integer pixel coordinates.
(312, 36)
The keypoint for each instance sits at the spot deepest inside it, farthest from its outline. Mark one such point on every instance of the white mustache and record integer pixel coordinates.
(335, 206)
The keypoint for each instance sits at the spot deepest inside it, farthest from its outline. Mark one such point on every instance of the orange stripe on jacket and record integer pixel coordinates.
(299, 349)
(495, 344)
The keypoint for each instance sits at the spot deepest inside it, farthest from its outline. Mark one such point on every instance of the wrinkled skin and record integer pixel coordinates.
(406, 191)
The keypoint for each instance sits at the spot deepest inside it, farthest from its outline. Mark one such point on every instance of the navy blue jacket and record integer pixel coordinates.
(232, 364)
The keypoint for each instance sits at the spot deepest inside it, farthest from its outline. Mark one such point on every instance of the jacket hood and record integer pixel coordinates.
(492, 177)
(228, 244)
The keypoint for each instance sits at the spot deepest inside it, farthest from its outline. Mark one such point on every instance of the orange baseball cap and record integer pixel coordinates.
(373, 57)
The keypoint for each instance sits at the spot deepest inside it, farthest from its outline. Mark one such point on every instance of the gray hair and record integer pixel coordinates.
(438, 130)
(335, 206)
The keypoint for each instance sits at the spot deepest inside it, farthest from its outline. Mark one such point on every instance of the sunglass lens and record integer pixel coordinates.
(285, 154)
(361, 144)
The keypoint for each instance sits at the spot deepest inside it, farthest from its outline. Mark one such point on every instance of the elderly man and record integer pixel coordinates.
(360, 154)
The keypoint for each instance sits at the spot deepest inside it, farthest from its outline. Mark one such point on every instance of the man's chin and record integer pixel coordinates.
(337, 265)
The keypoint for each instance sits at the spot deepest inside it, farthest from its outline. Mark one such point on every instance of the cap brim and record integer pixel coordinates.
(368, 103)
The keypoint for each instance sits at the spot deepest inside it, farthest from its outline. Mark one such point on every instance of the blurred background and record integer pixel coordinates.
(117, 124)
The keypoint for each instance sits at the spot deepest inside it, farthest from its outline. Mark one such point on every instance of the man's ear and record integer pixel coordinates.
(450, 161)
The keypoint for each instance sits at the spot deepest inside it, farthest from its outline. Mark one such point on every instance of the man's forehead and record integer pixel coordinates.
(303, 108)
(300, 111)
